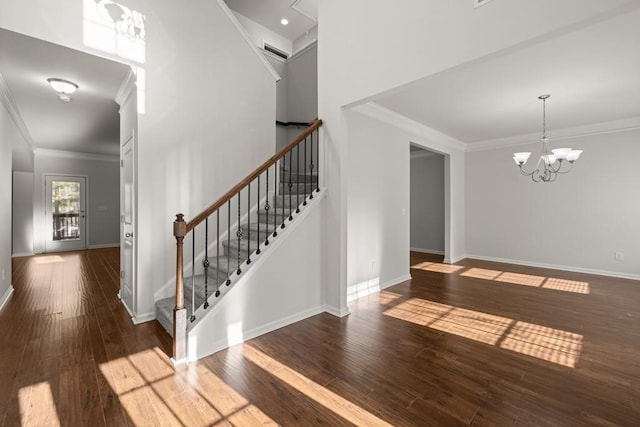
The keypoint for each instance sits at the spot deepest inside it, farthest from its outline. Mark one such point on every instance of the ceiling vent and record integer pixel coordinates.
(276, 51)
(478, 3)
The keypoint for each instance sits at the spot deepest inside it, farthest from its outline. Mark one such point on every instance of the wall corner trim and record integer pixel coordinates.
(127, 87)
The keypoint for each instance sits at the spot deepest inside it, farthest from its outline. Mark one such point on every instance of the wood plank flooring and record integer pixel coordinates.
(477, 343)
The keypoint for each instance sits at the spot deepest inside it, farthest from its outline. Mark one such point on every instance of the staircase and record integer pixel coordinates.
(289, 199)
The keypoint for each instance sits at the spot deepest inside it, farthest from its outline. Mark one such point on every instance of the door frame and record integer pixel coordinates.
(130, 138)
(86, 210)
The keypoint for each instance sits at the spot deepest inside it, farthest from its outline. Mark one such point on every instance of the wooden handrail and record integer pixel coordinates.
(253, 175)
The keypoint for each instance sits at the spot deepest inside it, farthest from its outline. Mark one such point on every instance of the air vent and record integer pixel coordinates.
(478, 3)
(277, 51)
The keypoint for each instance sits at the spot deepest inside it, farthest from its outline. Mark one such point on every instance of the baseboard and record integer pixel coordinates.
(4, 298)
(556, 267)
(142, 318)
(394, 282)
(336, 311)
(106, 245)
(455, 259)
(427, 251)
(260, 330)
(21, 254)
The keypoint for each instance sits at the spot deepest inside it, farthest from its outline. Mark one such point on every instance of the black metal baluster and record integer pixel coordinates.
(205, 263)
(283, 174)
(239, 235)
(266, 210)
(290, 186)
(217, 253)
(229, 242)
(193, 276)
(304, 203)
(311, 166)
(249, 223)
(298, 178)
(258, 218)
(275, 198)
(317, 132)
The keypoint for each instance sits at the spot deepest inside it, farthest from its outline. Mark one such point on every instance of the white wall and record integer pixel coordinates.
(302, 86)
(22, 205)
(425, 38)
(103, 194)
(254, 306)
(378, 206)
(9, 136)
(575, 223)
(427, 202)
(210, 100)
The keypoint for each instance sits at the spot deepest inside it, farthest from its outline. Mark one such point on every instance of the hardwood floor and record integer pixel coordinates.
(477, 343)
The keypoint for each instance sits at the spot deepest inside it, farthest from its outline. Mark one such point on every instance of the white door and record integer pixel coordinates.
(127, 224)
(65, 222)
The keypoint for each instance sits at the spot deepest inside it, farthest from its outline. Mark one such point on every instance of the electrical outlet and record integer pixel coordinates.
(619, 256)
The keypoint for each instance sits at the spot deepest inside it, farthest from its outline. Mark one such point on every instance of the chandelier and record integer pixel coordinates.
(550, 164)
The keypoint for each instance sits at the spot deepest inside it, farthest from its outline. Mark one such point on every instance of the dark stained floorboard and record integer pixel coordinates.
(479, 343)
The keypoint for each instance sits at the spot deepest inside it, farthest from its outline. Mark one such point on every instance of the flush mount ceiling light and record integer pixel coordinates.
(64, 88)
(284, 21)
(549, 165)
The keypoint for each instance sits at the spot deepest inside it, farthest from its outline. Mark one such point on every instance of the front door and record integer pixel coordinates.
(127, 224)
(65, 214)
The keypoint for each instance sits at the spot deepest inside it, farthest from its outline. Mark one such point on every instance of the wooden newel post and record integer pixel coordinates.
(179, 312)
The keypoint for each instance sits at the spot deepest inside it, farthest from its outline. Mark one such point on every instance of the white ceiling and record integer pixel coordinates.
(302, 14)
(592, 74)
(90, 122)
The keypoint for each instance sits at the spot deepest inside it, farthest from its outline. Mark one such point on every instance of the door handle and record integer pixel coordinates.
(128, 235)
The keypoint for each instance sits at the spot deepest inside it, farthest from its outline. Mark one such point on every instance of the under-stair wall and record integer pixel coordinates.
(283, 285)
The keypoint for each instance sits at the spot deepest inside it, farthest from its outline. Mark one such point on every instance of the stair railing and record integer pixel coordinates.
(306, 147)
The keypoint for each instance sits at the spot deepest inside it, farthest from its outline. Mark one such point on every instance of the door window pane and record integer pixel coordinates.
(65, 210)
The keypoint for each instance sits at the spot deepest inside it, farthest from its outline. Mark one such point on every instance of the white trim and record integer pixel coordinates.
(22, 254)
(12, 108)
(478, 3)
(423, 153)
(5, 297)
(260, 330)
(427, 251)
(76, 155)
(395, 281)
(336, 311)
(559, 134)
(557, 267)
(385, 115)
(142, 318)
(246, 37)
(127, 88)
(106, 245)
(454, 260)
(305, 49)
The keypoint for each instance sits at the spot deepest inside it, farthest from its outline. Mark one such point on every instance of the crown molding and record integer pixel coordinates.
(603, 128)
(127, 87)
(385, 115)
(75, 155)
(421, 154)
(247, 39)
(10, 104)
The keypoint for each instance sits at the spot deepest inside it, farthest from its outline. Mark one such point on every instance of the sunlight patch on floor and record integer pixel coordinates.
(529, 280)
(48, 259)
(386, 297)
(45, 413)
(553, 345)
(133, 376)
(330, 400)
(437, 267)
